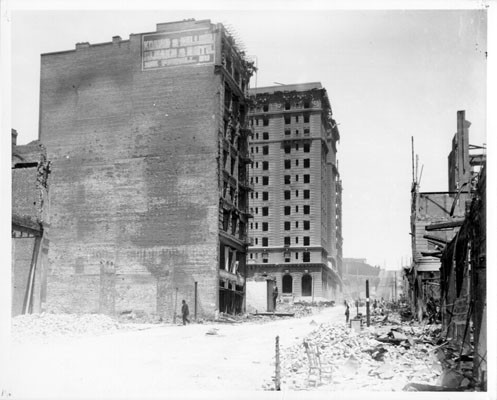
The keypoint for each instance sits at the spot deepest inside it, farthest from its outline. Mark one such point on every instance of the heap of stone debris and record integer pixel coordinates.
(55, 325)
(384, 359)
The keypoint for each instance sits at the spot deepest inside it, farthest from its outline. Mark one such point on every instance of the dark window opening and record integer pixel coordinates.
(307, 285)
(287, 283)
(287, 210)
(307, 240)
(307, 162)
(307, 225)
(265, 211)
(287, 195)
(287, 179)
(306, 257)
(307, 178)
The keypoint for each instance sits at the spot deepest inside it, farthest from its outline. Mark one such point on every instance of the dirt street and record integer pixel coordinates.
(154, 361)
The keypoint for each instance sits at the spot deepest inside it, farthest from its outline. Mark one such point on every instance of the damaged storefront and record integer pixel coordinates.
(463, 286)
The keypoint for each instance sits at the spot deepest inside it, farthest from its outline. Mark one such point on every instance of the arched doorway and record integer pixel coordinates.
(287, 282)
(307, 285)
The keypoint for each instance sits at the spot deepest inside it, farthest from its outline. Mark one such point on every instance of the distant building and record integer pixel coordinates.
(296, 231)
(355, 273)
(30, 213)
(148, 139)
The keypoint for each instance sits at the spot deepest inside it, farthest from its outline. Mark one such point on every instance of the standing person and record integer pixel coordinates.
(275, 296)
(347, 313)
(185, 312)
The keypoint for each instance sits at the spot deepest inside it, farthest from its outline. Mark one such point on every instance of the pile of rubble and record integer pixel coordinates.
(379, 358)
(46, 325)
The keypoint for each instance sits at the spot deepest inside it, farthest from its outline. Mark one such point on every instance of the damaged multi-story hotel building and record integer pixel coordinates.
(296, 203)
(149, 145)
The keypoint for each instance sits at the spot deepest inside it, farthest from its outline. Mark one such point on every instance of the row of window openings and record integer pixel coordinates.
(287, 194)
(286, 178)
(288, 106)
(287, 164)
(288, 149)
(306, 257)
(287, 226)
(287, 210)
(287, 118)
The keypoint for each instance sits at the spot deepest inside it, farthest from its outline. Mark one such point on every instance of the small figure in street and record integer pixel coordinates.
(347, 313)
(185, 312)
(275, 296)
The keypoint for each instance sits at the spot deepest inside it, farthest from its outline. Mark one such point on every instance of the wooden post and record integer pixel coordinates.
(175, 304)
(277, 385)
(195, 305)
(367, 301)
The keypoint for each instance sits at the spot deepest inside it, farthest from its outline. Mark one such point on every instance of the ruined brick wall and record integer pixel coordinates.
(134, 193)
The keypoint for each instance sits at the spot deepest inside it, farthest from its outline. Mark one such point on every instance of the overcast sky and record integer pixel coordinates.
(390, 75)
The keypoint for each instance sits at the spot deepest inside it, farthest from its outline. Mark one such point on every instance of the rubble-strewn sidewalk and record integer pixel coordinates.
(379, 358)
(46, 325)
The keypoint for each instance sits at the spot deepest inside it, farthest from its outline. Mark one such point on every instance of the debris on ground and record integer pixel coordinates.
(55, 325)
(385, 357)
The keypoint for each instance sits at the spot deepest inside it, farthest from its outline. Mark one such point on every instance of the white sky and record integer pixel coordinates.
(389, 74)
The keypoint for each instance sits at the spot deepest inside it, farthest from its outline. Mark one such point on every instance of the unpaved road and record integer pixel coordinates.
(156, 361)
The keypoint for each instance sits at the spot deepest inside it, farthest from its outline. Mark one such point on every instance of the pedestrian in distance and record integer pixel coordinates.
(347, 313)
(185, 312)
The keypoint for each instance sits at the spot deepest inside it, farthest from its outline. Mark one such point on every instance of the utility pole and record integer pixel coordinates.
(367, 301)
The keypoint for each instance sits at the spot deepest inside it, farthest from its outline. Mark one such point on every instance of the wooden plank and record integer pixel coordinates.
(444, 225)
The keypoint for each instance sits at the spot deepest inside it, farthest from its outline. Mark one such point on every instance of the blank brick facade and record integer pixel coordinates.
(136, 188)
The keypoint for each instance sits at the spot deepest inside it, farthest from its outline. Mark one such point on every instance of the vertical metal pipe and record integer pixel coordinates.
(367, 301)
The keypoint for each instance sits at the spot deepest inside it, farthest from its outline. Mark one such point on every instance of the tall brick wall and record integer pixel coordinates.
(134, 193)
